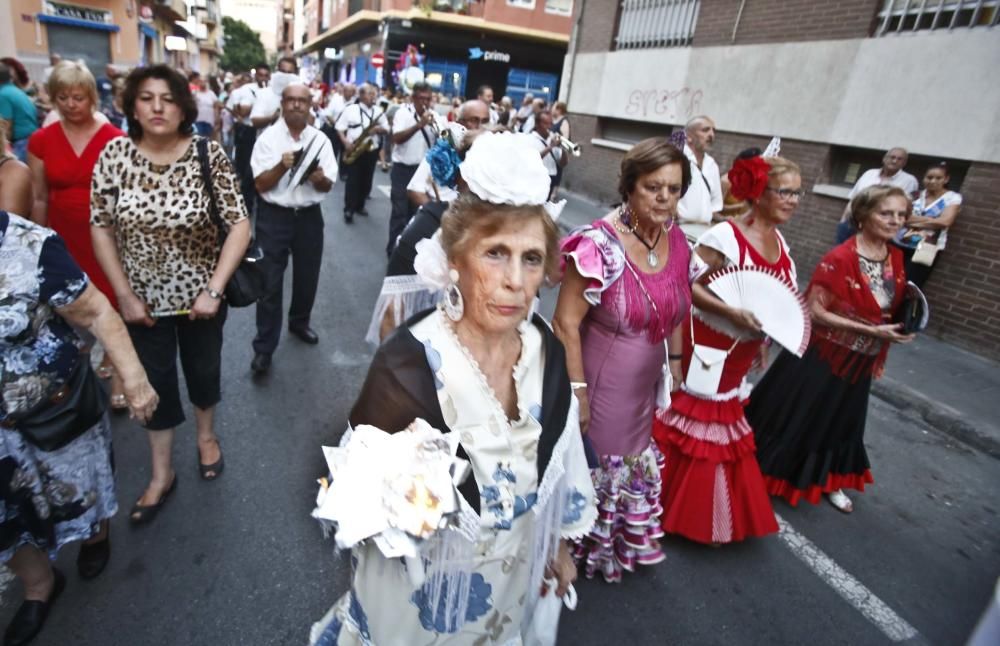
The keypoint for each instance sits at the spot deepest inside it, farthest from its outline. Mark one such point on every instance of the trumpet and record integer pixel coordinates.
(570, 147)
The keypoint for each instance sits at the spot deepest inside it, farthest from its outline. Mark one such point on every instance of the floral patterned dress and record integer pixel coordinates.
(382, 608)
(47, 499)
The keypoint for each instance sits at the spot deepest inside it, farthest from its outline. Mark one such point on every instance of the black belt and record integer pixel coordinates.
(293, 210)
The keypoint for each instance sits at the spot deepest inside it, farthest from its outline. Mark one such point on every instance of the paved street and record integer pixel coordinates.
(239, 561)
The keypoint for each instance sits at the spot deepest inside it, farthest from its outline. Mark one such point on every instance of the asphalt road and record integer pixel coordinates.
(240, 561)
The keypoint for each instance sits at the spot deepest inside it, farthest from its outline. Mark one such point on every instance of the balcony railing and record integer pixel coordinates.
(902, 16)
(656, 23)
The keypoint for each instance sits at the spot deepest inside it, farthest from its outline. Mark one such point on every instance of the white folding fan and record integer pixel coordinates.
(773, 300)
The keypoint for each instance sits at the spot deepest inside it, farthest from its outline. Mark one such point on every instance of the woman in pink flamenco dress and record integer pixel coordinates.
(625, 292)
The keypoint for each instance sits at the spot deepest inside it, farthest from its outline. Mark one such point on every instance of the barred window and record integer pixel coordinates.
(656, 23)
(902, 16)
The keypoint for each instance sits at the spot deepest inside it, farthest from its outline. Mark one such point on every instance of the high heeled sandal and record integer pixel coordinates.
(212, 471)
(142, 514)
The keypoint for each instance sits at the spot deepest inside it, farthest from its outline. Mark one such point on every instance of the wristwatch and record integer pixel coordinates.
(214, 294)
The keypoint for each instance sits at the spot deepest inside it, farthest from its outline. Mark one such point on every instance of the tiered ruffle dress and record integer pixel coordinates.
(622, 343)
(713, 491)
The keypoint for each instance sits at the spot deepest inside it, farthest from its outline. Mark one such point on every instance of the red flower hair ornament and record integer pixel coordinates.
(748, 178)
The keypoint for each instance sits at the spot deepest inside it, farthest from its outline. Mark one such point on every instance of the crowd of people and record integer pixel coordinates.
(128, 206)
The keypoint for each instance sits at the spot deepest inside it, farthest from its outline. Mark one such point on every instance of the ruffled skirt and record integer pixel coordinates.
(713, 490)
(809, 426)
(627, 529)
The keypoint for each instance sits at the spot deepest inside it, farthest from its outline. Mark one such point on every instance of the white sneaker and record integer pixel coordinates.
(840, 500)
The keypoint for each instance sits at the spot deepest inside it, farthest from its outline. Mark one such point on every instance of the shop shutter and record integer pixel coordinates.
(73, 43)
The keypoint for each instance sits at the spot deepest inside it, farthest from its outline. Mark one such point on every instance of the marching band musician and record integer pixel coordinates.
(472, 115)
(294, 169)
(414, 132)
(354, 120)
(550, 148)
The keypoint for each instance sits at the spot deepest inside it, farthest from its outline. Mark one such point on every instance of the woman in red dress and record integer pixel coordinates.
(713, 491)
(61, 157)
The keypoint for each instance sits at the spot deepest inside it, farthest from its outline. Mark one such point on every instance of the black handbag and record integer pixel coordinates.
(66, 414)
(246, 285)
(913, 312)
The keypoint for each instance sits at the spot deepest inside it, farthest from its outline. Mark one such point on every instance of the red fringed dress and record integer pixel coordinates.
(808, 414)
(713, 491)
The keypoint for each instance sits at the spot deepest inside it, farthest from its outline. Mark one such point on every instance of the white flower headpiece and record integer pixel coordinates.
(505, 168)
(501, 168)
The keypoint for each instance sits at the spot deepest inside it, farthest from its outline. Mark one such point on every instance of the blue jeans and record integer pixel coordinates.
(20, 149)
(845, 230)
(203, 128)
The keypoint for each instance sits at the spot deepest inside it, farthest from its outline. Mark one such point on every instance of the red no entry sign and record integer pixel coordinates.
(378, 59)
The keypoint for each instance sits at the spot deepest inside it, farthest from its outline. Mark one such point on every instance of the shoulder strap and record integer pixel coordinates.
(206, 177)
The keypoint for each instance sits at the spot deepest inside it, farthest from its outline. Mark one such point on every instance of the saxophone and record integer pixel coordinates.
(363, 143)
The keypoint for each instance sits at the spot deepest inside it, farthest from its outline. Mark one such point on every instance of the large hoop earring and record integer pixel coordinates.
(454, 304)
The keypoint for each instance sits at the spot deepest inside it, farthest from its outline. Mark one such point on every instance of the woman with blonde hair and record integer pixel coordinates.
(61, 157)
(713, 491)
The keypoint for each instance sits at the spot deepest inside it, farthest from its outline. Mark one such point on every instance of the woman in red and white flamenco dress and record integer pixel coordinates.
(713, 491)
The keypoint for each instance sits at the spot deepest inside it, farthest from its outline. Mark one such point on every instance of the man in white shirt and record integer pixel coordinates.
(547, 143)
(339, 99)
(243, 131)
(294, 169)
(891, 173)
(353, 121)
(422, 189)
(485, 94)
(267, 105)
(702, 202)
(414, 132)
(537, 106)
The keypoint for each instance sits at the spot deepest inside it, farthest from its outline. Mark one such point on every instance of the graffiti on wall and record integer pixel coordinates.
(679, 104)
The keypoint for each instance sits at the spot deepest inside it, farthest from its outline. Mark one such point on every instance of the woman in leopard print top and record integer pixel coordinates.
(155, 239)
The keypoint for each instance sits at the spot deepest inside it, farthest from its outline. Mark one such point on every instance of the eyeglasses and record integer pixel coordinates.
(788, 193)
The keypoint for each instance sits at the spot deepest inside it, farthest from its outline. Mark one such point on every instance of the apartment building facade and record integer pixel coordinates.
(124, 33)
(516, 46)
(840, 82)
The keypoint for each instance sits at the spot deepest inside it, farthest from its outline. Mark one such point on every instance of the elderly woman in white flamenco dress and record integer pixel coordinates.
(490, 375)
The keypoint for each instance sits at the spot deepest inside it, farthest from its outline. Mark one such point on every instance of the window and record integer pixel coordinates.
(656, 23)
(901, 16)
(847, 165)
(562, 7)
(523, 4)
(631, 132)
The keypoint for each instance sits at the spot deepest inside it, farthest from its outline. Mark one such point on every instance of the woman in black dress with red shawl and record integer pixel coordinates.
(809, 415)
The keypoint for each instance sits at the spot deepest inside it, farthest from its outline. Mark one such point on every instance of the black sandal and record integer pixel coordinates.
(142, 514)
(212, 471)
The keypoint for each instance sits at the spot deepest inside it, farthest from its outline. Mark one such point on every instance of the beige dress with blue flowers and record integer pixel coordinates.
(382, 608)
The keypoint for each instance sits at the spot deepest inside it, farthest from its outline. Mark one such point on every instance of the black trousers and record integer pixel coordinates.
(200, 346)
(338, 147)
(402, 209)
(245, 137)
(359, 181)
(282, 231)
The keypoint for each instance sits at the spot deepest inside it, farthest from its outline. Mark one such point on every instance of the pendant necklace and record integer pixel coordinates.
(651, 256)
